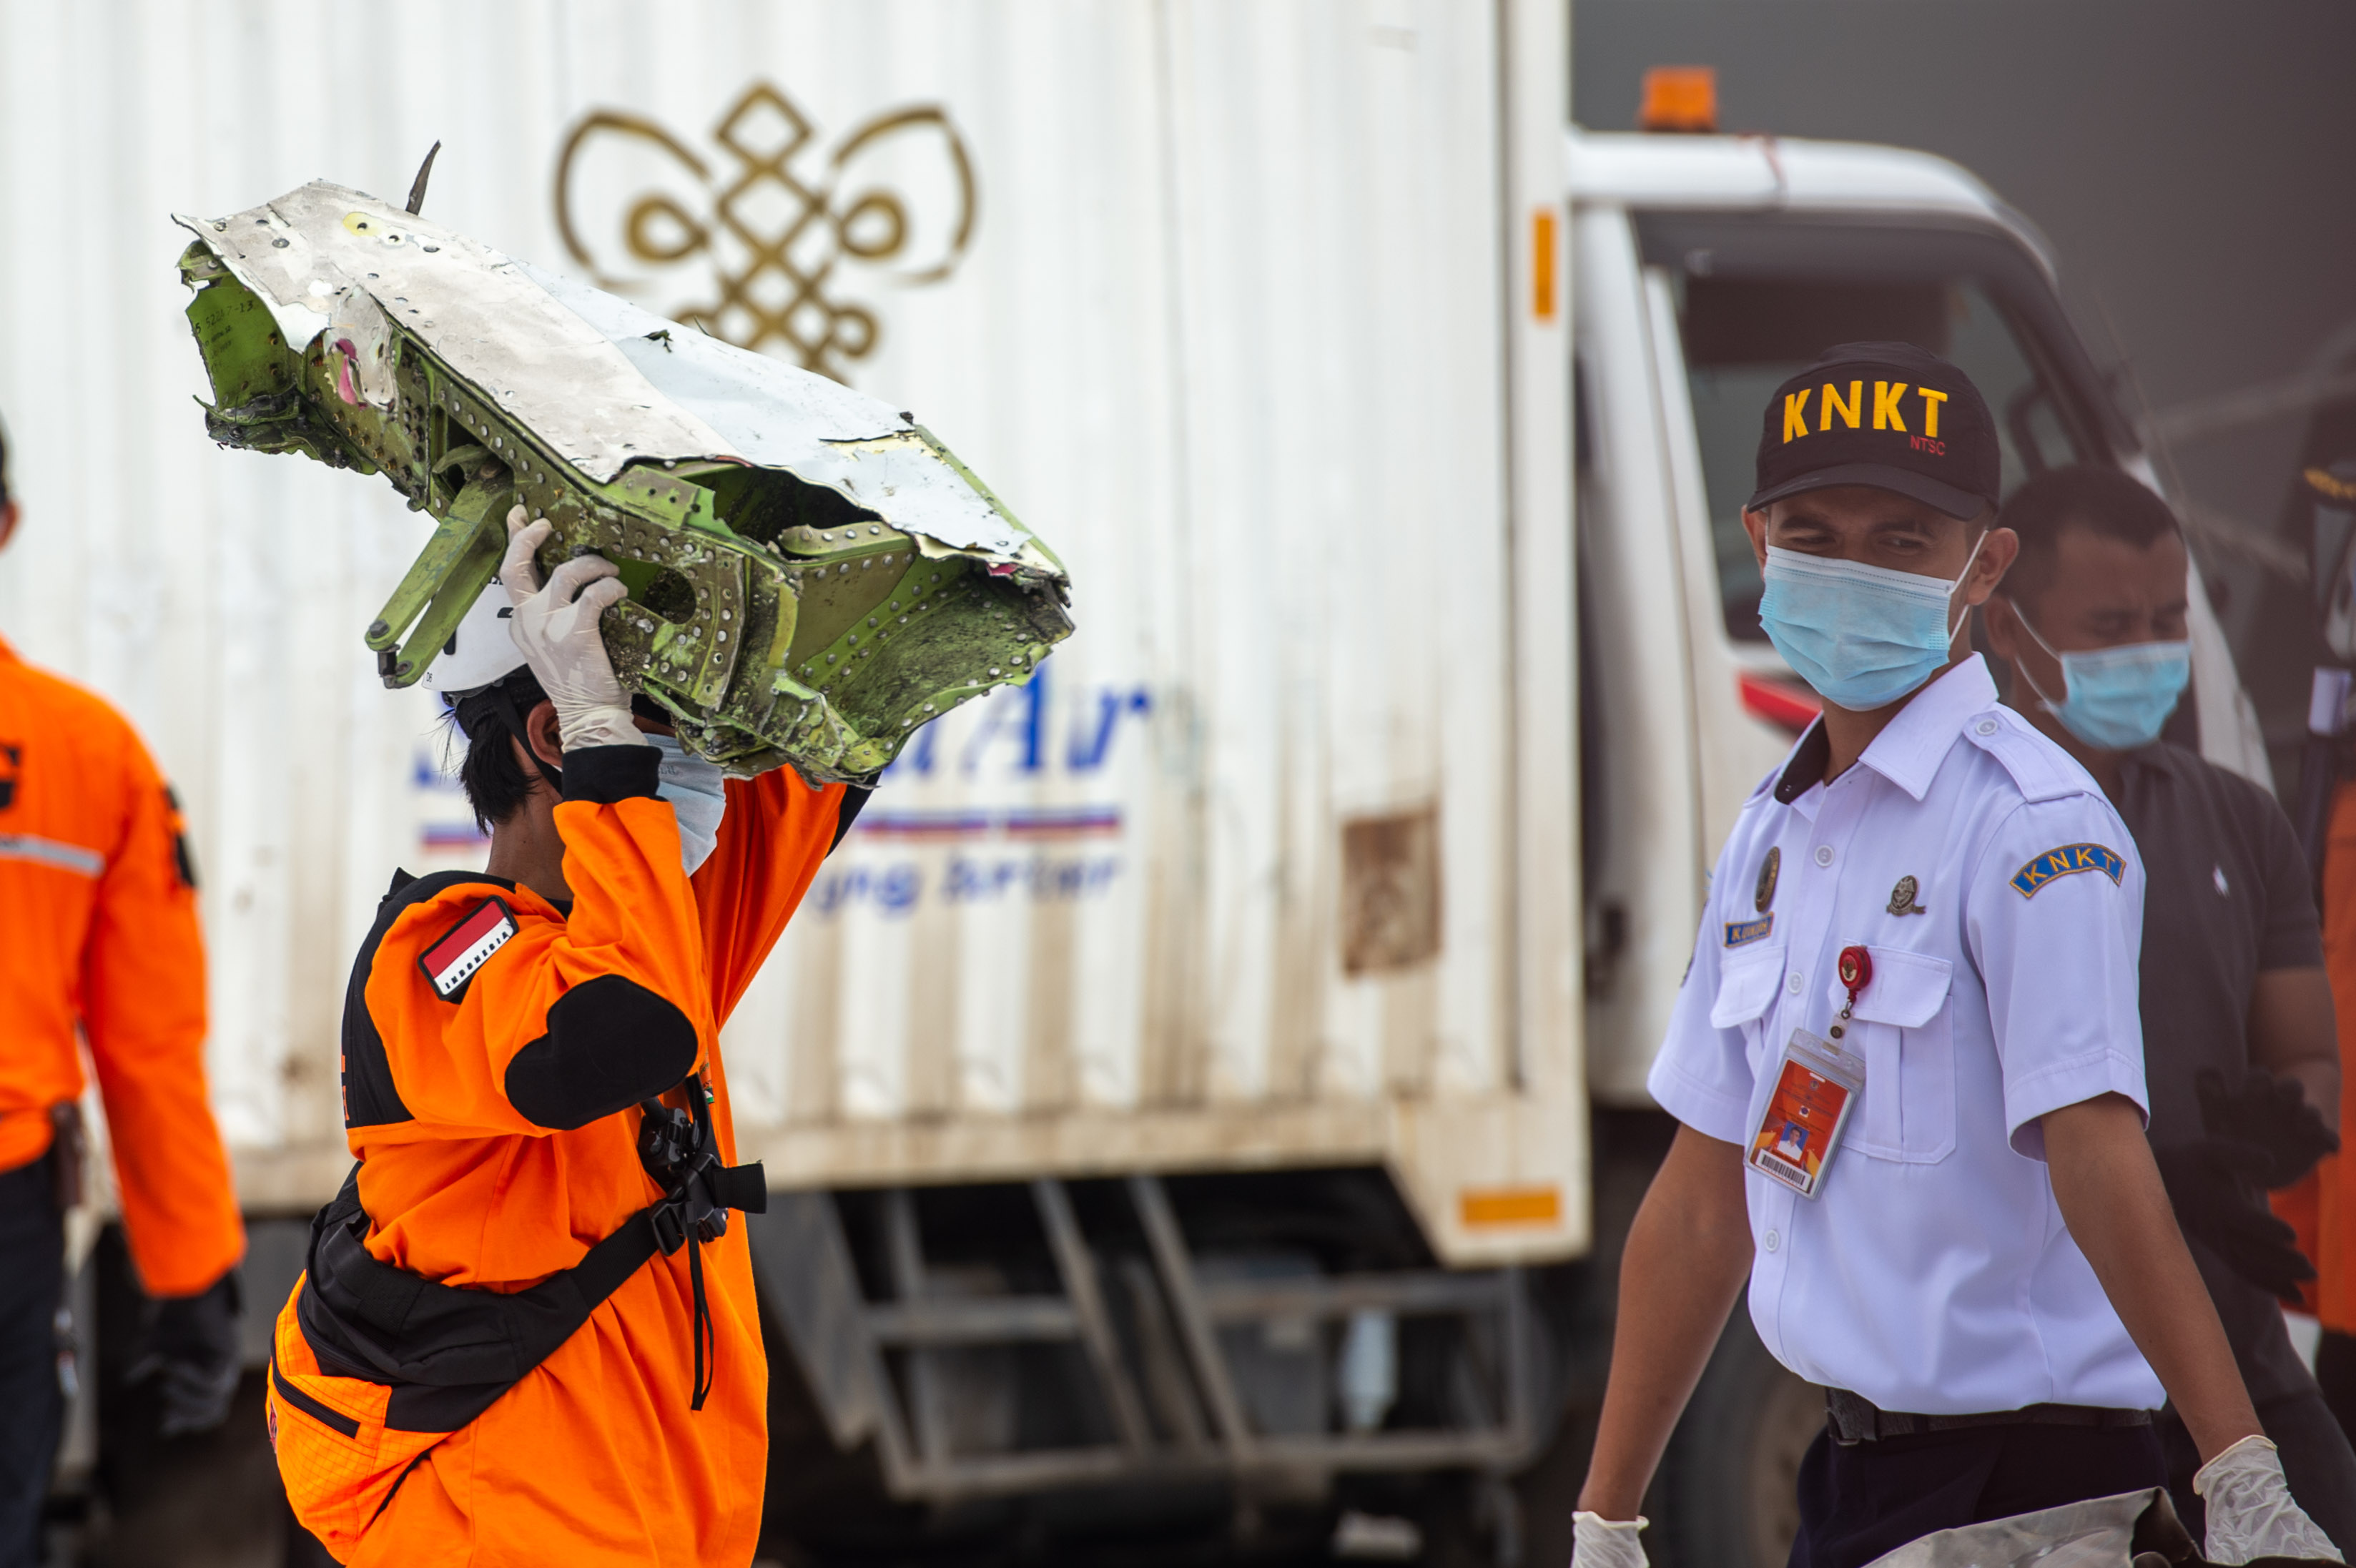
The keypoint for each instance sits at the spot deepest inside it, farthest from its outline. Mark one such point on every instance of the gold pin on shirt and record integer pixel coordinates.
(1901, 897)
(1762, 897)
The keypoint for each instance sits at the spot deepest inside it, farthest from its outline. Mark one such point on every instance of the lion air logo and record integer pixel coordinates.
(765, 240)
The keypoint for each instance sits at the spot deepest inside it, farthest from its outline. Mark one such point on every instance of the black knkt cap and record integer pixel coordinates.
(1888, 415)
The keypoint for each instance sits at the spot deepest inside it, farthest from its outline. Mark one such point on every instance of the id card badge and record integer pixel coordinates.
(1816, 1085)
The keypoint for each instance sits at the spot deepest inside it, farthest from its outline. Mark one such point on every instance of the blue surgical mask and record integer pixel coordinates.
(1861, 635)
(2115, 698)
(698, 796)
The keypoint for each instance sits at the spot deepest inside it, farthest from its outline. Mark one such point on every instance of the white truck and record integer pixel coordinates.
(1204, 1095)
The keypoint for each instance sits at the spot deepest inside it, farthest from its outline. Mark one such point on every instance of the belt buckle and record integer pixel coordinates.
(1851, 1418)
(671, 1226)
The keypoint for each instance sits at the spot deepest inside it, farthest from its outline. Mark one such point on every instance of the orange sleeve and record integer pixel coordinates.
(143, 988)
(632, 928)
(775, 833)
(2334, 1250)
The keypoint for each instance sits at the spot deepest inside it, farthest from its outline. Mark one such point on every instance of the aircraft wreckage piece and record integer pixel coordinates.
(811, 576)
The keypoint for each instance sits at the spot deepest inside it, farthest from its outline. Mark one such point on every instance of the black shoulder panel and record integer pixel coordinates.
(610, 1043)
(370, 1097)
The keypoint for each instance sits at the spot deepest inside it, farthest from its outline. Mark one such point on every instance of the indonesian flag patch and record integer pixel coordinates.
(450, 962)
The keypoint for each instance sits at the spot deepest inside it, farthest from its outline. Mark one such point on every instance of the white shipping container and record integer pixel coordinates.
(1254, 312)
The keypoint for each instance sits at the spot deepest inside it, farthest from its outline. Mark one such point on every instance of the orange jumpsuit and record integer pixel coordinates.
(100, 906)
(2323, 1207)
(594, 1456)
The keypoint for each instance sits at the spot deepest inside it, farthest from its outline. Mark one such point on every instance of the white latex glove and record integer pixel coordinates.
(1600, 1542)
(2251, 1513)
(555, 629)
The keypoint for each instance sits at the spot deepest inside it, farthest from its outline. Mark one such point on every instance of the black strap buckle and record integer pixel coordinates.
(681, 1154)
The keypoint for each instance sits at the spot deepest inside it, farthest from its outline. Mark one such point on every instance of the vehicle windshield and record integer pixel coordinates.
(1744, 334)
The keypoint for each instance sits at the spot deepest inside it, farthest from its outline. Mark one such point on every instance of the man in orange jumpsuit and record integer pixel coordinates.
(2323, 1208)
(98, 907)
(528, 1333)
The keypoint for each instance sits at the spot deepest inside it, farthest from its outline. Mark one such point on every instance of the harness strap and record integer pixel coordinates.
(682, 1151)
(449, 1352)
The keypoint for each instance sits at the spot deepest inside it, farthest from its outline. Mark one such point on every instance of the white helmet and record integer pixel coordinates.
(479, 652)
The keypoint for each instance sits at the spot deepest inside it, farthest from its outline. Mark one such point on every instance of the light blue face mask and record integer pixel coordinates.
(699, 798)
(1861, 635)
(2116, 698)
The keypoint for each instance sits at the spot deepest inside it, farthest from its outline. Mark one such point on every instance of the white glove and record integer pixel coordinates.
(555, 629)
(1600, 1542)
(2251, 1513)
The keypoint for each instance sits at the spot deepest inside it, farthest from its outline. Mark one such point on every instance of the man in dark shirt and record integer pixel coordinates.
(2240, 1053)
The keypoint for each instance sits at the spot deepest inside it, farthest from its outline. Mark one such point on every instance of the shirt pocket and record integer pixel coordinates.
(1748, 980)
(1904, 1027)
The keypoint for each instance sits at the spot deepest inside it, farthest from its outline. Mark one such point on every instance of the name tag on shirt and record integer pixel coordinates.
(1816, 1085)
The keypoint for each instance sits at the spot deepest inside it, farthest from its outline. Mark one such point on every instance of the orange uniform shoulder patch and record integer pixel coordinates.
(459, 952)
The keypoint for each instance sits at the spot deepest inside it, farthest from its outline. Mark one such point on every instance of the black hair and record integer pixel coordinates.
(494, 778)
(2106, 502)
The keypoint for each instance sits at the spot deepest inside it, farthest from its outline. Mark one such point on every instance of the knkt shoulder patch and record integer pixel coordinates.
(451, 961)
(2066, 860)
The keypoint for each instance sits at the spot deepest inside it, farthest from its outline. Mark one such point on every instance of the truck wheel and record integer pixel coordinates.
(1727, 1494)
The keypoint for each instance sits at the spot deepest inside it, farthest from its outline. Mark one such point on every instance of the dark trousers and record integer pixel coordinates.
(2335, 1371)
(32, 1406)
(1860, 1501)
(2315, 1458)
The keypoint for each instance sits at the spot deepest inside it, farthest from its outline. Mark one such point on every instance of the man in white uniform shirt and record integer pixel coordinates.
(1907, 1059)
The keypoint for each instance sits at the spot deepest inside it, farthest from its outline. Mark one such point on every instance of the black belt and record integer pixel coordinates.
(1855, 1419)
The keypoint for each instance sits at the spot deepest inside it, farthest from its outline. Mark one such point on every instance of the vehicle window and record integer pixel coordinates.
(1743, 336)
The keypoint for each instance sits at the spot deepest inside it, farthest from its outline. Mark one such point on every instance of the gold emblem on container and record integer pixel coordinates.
(777, 222)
